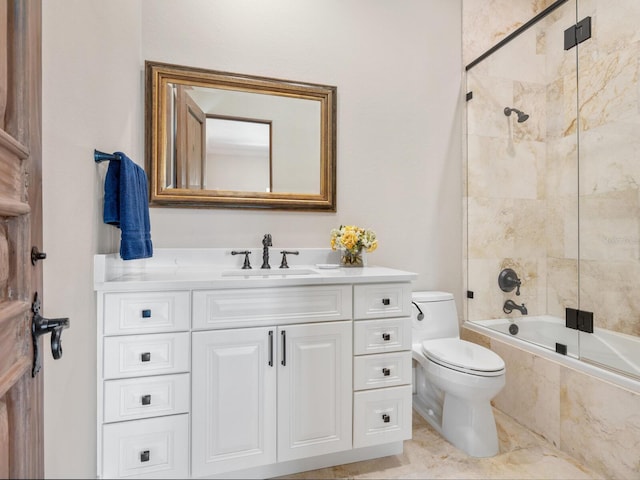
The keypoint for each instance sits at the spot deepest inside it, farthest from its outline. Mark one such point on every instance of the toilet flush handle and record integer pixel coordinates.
(420, 314)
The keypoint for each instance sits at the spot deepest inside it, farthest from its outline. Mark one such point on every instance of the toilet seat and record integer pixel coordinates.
(463, 356)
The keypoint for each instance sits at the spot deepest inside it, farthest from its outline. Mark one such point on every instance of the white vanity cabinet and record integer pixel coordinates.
(143, 387)
(270, 394)
(202, 375)
(382, 363)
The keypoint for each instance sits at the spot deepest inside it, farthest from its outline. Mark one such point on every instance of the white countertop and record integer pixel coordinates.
(217, 268)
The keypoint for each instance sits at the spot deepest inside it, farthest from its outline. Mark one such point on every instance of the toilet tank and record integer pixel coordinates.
(440, 316)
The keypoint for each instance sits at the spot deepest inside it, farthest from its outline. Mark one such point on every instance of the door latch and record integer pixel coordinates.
(42, 326)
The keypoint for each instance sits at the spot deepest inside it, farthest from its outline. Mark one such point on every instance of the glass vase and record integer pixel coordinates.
(351, 258)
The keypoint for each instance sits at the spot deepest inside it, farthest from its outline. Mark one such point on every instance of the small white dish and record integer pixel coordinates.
(328, 265)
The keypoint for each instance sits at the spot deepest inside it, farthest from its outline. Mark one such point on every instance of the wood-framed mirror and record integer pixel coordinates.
(226, 140)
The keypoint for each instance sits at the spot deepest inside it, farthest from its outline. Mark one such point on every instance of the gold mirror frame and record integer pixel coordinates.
(159, 75)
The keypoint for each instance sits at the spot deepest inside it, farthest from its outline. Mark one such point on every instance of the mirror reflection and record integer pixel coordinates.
(239, 152)
(227, 140)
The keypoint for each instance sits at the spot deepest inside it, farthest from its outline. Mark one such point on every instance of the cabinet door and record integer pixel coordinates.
(233, 400)
(314, 389)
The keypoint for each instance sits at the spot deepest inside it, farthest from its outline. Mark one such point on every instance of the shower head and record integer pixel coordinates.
(522, 117)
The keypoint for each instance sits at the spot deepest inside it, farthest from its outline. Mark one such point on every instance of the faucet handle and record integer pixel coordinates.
(246, 265)
(284, 253)
(508, 281)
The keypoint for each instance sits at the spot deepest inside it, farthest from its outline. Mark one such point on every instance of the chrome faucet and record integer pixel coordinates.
(510, 305)
(266, 243)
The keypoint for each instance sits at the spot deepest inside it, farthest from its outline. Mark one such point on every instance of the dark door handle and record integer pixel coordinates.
(37, 255)
(42, 326)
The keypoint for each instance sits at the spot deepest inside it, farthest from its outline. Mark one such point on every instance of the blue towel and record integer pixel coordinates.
(126, 206)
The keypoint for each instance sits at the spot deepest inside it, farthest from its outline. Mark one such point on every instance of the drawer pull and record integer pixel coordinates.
(386, 372)
(145, 357)
(145, 456)
(146, 313)
(146, 400)
(386, 301)
(386, 337)
(271, 348)
(386, 418)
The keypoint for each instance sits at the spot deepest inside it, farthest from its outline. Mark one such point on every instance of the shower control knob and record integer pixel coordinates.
(508, 281)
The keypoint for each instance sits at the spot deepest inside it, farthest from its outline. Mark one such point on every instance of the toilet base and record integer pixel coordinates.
(470, 427)
(467, 424)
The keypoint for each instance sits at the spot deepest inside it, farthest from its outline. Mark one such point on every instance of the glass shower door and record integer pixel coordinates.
(521, 185)
(609, 183)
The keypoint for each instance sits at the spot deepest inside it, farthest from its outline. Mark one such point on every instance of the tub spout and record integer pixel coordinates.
(510, 305)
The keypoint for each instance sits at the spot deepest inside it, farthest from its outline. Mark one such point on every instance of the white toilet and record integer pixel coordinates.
(454, 380)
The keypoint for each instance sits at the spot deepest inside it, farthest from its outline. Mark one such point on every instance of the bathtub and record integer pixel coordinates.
(612, 356)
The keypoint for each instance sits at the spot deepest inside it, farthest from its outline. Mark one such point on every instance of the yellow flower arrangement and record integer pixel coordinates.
(353, 239)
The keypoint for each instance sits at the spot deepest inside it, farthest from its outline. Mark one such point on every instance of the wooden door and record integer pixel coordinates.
(314, 389)
(21, 432)
(191, 156)
(233, 400)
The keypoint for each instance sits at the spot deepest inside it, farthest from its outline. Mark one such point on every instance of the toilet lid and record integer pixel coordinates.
(463, 356)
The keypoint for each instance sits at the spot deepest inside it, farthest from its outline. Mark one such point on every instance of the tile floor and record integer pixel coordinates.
(523, 455)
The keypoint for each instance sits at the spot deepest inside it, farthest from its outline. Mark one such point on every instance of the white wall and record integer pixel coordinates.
(397, 66)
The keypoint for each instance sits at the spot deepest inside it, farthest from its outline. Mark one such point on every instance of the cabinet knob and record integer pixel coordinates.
(386, 418)
(386, 372)
(145, 357)
(386, 301)
(146, 400)
(145, 456)
(386, 337)
(146, 313)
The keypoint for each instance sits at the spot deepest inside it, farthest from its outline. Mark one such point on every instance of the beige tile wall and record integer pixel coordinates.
(531, 204)
(526, 194)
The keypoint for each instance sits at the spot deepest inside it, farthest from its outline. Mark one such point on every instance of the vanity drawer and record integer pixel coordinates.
(140, 355)
(151, 448)
(381, 416)
(382, 370)
(380, 336)
(381, 300)
(137, 398)
(249, 307)
(148, 312)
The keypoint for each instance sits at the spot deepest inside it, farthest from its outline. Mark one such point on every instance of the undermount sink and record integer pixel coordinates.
(268, 272)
